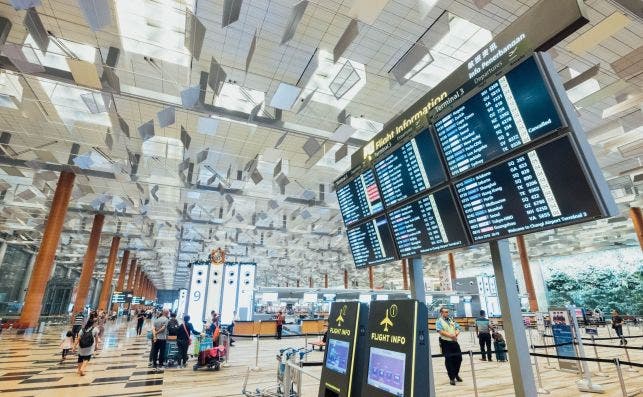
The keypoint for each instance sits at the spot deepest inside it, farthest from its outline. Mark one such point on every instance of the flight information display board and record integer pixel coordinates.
(410, 169)
(371, 242)
(428, 224)
(510, 112)
(359, 198)
(543, 188)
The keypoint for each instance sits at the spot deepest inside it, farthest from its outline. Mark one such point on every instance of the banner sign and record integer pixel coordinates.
(562, 331)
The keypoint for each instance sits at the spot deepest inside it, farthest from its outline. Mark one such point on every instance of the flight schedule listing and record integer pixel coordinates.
(359, 198)
(540, 189)
(371, 242)
(410, 169)
(512, 111)
(428, 224)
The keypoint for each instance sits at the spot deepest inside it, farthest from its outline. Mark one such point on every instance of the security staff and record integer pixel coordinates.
(449, 331)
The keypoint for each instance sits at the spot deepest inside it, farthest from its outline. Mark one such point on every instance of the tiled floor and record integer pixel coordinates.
(29, 366)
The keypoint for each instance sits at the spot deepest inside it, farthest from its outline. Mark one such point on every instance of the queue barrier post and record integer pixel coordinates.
(227, 349)
(600, 372)
(257, 368)
(620, 376)
(549, 364)
(473, 374)
(608, 330)
(627, 354)
(541, 389)
(305, 346)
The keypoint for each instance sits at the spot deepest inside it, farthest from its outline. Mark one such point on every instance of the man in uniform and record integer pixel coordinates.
(449, 331)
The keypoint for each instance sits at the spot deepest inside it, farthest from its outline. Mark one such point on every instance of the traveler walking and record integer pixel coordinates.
(449, 331)
(483, 330)
(66, 345)
(183, 340)
(85, 345)
(79, 320)
(617, 324)
(280, 323)
(140, 319)
(159, 340)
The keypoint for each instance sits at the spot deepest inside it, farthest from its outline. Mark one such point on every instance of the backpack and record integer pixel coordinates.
(173, 327)
(87, 338)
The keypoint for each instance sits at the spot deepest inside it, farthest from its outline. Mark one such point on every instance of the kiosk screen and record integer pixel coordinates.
(337, 358)
(386, 370)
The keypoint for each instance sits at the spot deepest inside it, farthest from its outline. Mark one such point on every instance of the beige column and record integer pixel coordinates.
(88, 263)
(109, 274)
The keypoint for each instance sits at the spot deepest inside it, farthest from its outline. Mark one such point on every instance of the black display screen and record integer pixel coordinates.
(541, 189)
(410, 169)
(510, 112)
(371, 242)
(428, 224)
(359, 198)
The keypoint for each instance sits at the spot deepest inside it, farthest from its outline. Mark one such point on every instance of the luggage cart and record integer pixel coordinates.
(171, 353)
(288, 376)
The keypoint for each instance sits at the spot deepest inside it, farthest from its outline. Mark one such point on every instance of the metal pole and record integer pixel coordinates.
(473, 374)
(520, 362)
(306, 345)
(549, 365)
(227, 350)
(608, 330)
(416, 273)
(627, 354)
(541, 389)
(620, 377)
(256, 368)
(585, 384)
(600, 370)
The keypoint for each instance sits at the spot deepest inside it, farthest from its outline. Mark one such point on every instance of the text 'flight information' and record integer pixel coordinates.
(510, 112)
(410, 169)
(542, 188)
(429, 224)
(371, 242)
(359, 198)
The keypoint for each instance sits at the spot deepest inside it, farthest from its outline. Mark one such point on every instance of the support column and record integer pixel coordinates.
(326, 280)
(26, 278)
(121, 276)
(131, 275)
(310, 281)
(3, 251)
(345, 279)
(371, 282)
(452, 269)
(297, 283)
(526, 271)
(416, 270)
(519, 358)
(405, 276)
(637, 219)
(47, 252)
(139, 282)
(88, 262)
(109, 274)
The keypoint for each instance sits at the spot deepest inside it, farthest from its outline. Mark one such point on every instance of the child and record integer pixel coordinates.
(66, 345)
(500, 346)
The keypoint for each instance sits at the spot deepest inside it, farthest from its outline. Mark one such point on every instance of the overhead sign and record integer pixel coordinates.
(342, 371)
(397, 349)
(118, 297)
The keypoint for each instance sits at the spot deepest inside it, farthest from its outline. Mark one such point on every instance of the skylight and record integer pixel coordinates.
(235, 97)
(462, 41)
(68, 102)
(154, 28)
(350, 82)
(55, 56)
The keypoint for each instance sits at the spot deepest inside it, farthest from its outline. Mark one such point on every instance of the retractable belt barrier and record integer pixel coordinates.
(587, 344)
(272, 336)
(596, 360)
(604, 338)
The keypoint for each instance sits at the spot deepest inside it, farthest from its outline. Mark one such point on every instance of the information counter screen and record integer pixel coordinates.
(410, 169)
(337, 357)
(510, 112)
(371, 242)
(540, 189)
(386, 370)
(359, 198)
(428, 224)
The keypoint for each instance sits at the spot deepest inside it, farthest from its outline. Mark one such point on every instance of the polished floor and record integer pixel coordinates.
(29, 366)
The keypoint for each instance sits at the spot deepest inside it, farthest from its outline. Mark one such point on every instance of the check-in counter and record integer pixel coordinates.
(313, 326)
(249, 328)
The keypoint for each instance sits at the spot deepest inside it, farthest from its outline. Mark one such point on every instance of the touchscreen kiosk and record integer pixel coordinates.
(341, 373)
(397, 350)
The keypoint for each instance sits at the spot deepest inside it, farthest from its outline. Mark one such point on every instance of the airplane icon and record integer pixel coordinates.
(386, 322)
(340, 319)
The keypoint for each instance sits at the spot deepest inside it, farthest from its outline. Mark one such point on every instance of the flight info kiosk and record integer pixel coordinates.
(396, 350)
(341, 373)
